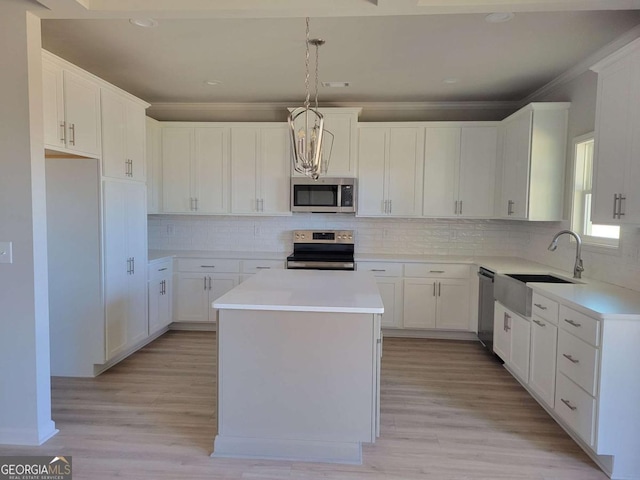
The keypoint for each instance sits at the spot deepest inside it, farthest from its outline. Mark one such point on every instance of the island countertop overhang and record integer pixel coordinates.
(305, 291)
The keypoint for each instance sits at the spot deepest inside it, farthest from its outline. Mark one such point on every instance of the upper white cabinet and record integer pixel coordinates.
(260, 170)
(71, 103)
(616, 198)
(390, 170)
(153, 154)
(533, 162)
(123, 136)
(459, 170)
(195, 168)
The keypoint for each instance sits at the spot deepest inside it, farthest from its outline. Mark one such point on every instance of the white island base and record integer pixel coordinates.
(298, 384)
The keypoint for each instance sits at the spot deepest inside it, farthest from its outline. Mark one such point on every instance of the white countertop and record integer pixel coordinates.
(305, 291)
(157, 254)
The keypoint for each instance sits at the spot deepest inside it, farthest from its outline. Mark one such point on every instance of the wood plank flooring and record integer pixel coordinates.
(448, 412)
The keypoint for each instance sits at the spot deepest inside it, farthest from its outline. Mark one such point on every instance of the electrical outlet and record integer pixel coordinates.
(6, 255)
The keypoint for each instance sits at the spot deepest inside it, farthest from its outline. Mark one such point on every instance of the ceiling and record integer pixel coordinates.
(386, 58)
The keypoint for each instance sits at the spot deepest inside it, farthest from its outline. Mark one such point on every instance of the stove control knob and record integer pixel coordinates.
(339, 237)
(302, 236)
(350, 237)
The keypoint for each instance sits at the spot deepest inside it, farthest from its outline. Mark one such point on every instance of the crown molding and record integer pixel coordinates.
(584, 65)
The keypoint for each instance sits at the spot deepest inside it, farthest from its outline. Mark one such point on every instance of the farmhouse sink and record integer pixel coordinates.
(512, 291)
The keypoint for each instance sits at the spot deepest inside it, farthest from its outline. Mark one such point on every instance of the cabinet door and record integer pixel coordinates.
(135, 140)
(53, 105)
(516, 154)
(160, 289)
(441, 171)
(244, 170)
(391, 293)
(453, 304)
(343, 158)
(542, 378)
(478, 155)
(154, 165)
(372, 148)
(114, 132)
(420, 298)
(501, 332)
(275, 171)
(404, 171)
(191, 298)
(211, 170)
(82, 114)
(176, 169)
(220, 284)
(137, 245)
(614, 137)
(117, 267)
(520, 345)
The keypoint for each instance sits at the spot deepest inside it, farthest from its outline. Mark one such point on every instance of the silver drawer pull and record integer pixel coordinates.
(568, 404)
(207, 266)
(263, 268)
(162, 269)
(570, 358)
(540, 306)
(436, 271)
(572, 322)
(538, 322)
(377, 270)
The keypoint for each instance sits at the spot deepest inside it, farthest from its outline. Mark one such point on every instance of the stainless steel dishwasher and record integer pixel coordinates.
(486, 307)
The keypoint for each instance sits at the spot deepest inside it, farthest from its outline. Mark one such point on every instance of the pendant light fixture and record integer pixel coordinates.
(306, 124)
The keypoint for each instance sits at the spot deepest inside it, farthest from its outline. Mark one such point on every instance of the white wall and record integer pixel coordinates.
(25, 395)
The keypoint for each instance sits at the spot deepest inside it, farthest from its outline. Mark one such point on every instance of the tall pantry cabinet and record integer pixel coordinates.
(97, 236)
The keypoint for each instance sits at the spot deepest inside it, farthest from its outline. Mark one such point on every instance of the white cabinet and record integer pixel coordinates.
(542, 374)
(153, 154)
(459, 170)
(125, 265)
(199, 282)
(441, 303)
(343, 125)
(123, 136)
(389, 279)
(195, 168)
(533, 162)
(71, 103)
(616, 168)
(160, 295)
(390, 170)
(502, 332)
(260, 170)
(511, 340)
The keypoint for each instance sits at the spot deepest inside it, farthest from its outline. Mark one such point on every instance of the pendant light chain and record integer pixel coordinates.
(306, 64)
(317, 52)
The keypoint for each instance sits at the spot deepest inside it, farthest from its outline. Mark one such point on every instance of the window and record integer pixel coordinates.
(604, 235)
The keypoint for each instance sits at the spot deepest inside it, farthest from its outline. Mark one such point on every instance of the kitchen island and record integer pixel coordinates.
(299, 366)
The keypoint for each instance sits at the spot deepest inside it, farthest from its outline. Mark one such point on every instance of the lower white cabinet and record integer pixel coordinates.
(195, 292)
(391, 293)
(441, 303)
(160, 294)
(542, 373)
(511, 340)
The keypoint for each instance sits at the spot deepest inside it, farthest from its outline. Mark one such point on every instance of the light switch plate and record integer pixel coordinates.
(5, 252)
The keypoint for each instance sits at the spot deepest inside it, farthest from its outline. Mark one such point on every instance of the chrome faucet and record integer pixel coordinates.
(577, 268)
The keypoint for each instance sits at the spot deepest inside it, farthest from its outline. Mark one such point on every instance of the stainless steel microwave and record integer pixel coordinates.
(325, 195)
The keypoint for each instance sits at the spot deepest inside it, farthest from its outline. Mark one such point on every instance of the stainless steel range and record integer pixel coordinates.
(322, 250)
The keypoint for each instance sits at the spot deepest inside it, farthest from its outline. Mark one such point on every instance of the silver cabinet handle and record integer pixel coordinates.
(378, 270)
(195, 201)
(191, 203)
(205, 283)
(209, 283)
(570, 358)
(538, 322)
(460, 207)
(63, 131)
(133, 265)
(263, 268)
(207, 266)
(390, 206)
(72, 129)
(436, 271)
(573, 323)
(507, 317)
(129, 266)
(621, 197)
(540, 306)
(439, 288)
(568, 404)
(262, 204)
(162, 269)
(434, 289)
(615, 205)
(510, 207)
(456, 208)
(385, 207)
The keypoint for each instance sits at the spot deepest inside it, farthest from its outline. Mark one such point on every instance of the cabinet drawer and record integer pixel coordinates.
(160, 270)
(448, 270)
(576, 407)
(255, 266)
(545, 308)
(578, 361)
(210, 265)
(381, 269)
(580, 325)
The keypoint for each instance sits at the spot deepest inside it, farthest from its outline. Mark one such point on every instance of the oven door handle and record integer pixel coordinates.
(322, 265)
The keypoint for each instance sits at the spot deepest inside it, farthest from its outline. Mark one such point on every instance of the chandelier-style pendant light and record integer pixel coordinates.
(307, 127)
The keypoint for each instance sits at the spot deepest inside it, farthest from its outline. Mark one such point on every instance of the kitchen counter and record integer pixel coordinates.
(156, 254)
(305, 291)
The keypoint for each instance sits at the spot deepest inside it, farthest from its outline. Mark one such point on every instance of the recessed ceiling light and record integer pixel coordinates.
(499, 17)
(450, 81)
(335, 84)
(213, 83)
(143, 22)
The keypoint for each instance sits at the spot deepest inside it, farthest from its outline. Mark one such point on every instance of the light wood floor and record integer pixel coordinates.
(448, 411)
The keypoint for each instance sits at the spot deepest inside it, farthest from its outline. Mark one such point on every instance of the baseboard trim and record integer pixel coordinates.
(194, 326)
(99, 369)
(25, 436)
(435, 334)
